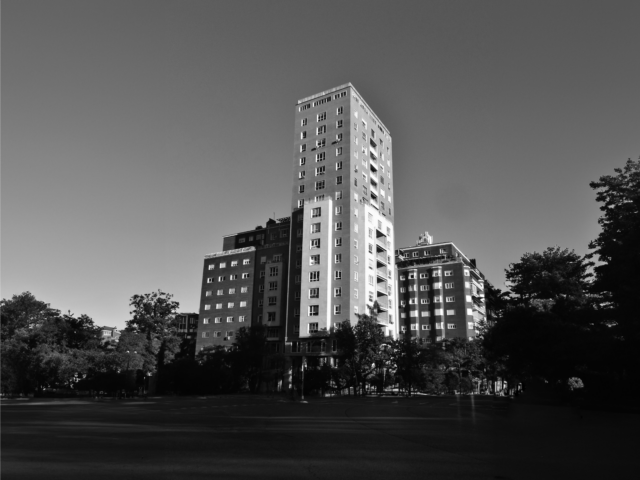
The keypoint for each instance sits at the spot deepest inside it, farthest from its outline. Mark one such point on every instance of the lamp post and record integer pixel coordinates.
(303, 365)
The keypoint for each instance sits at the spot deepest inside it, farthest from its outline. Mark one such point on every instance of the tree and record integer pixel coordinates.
(248, 355)
(153, 316)
(618, 247)
(408, 358)
(359, 346)
(24, 312)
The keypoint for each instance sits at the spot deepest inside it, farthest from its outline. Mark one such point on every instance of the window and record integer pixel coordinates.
(232, 291)
(271, 317)
(211, 266)
(322, 117)
(222, 278)
(261, 303)
(243, 303)
(297, 295)
(303, 123)
(229, 333)
(223, 264)
(338, 258)
(245, 275)
(339, 178)
(303, 160)
(466, 272)
(208, 293)
(273, 286)
(273, 271)
(355, 244)
(424, 275)
(319, 198)
(340, 110)
(301, 175)
(414, 326)
(298, 278)
(272, 300)
(451, 326)
(370, 248)
(321, 129)
(233, 277)
(424, 301)
(315, 227)
(412, 276)
(321, 143)
(314, 276)
(263, 260)
(205, 321)
(242, 318)
(448, 273)
(435, 273)
(337, 242)
(448, 285)
(424, 314)
(316, 212)
(205, 334)
(303, 147)
(315, 243)
(218, 320)
(262, 274)
(314, 293)
(450, 299)
(313, 327)
(355, 260)
(299, 247)
(424, 288)
(246, 261)
(218, 306)
(337, 309)
(426, 327)
(314, 260)
(443, 250)
(413, 301)
(339, 210)
(339, 195)
(210, 280)
(337, 292)
(437, 286)
(207, 307)
(229, 319)
(355, 310)
(319, 185)
(300, 188)
(320, 171)
(313, 311)
(437, 299)
(337, 275)
(230, 305)
(338, 226)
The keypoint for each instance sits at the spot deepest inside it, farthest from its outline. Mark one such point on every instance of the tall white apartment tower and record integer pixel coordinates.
(342, 250)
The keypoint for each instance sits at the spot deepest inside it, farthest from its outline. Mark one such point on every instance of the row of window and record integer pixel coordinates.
(320, 157)
(232, 291)
(426, 288)
(241, 318)
(434, 273)
(320, 184)
(217, 334)
(229, 305)
(234, 263)
(321, 117)
(314, 310)
(321, 130)
(322, 101)
(223, 278)
(437, 312)
(426, 301)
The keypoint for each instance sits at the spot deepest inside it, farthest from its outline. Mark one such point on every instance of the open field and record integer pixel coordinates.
(262, 437)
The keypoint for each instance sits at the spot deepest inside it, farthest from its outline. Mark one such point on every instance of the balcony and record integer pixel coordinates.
(381, 258)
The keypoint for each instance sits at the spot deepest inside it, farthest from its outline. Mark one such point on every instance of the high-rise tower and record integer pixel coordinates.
(342, 250)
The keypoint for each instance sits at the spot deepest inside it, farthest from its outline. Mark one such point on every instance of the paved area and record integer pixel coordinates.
(244, 437)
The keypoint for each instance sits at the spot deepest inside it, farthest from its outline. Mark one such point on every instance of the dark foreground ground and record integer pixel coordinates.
(245, 437)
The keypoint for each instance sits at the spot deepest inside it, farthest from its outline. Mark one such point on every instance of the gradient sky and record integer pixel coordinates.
(137, 133)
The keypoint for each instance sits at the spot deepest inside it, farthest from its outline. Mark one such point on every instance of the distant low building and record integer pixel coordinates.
(108, 334)
(187, 325)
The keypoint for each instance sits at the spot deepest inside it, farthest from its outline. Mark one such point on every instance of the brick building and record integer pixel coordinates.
(440, 290)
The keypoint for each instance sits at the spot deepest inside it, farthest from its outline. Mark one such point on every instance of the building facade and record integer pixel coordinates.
(342, 203)
(246, 283)
(440, 291)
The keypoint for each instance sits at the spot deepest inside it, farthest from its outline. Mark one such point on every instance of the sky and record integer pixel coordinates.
(135, 134)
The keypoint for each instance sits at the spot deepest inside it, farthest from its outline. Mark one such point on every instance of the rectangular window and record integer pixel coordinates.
(313, 327)
(243, 303)
(210, 280)
(205, 321)
(339, 195)
(207, 307)
(448, 273)
(314, 293)
(339, 210)
(321, 130)
(303, 160)
(322, 117)
(337, 309)
(298, 278)
(272, 300)
(271, 317)
(448, 285)
(316, 212)
(230, 305)
(303, 123)
(242, 318)
(211, 266)
(301, 175)
(355, 276)
(466, 273)
(232, 291)
(339, 179)
(337, 242)
(245, 275)
(319, 185)
(223, 265)
(451, 326)
(229, 319)
(337, 292)
(315, 243)
(320, 170)
(437, 299)
(337, 275)
(273, 286)
(208, 293)
(260, 288)
(303, 147)
(218, 306)
(435, 273)
(218, 320)
(424, 275)
(424, 288)
(273, 271)
(424, 301)
(315, 227)
(339, 124)
(300, 188)
(314, 260)
(234, 263)
(321, 143)
(314, 276)
(222, 278)
(233, 277)
(338, 226)
(205, 334)
(338, 258)
(340, 110)
(313, 311)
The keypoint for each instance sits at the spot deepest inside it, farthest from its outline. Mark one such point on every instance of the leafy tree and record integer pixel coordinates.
(153, 316)
(248, 355)
(618, 247)
(24, 312)
(408, 358)
(359, 346)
